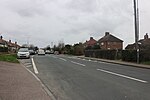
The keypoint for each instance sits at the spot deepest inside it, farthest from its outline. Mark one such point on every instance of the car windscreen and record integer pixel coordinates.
(23, 50)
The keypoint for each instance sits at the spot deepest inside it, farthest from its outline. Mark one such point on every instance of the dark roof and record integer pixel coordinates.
(144, 44)
(109, 38)
(4, 42)
(145, 41)
(130, 46)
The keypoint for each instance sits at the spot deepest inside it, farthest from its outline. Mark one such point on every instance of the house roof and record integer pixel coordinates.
(92, 41)
(144, 43)
(109, 38)
(2, 41)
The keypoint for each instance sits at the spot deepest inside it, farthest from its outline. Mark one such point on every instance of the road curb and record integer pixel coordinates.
(47, 91)
(117, 62)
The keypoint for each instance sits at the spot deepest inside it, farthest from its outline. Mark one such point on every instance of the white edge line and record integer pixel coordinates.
(124, 76)
(44, 87)
(63, 59)
(78, 63)
(34, 66)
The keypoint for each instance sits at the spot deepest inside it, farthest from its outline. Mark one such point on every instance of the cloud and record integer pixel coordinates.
(46, 21)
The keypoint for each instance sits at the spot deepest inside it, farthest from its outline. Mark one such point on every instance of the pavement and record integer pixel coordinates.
(16, 83)
(117, 62)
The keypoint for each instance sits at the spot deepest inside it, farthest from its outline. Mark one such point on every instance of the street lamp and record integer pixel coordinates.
(136, 22)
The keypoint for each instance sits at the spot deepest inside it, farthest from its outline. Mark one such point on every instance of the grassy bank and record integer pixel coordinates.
(146, 63)
(9, 58)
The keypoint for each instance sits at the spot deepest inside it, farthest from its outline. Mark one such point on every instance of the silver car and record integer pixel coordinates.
(23, 53)
(41, 52)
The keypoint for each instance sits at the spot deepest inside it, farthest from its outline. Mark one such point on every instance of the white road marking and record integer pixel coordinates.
(124, 76)
(63, 59)
(34, 66)
(54, 57)
(94, 61)
(78, 63)
(102, 62)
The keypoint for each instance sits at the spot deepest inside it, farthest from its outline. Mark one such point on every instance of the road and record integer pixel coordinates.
(71, 78)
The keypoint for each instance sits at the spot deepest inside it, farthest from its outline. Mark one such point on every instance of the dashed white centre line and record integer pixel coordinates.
(124, 76)
(78, 63)
(34, 66)
(63, 59)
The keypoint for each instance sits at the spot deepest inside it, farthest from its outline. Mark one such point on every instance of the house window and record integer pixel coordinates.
(102, 43)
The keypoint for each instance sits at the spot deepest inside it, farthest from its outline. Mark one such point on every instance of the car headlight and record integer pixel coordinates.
(18, 54)
(27, 54)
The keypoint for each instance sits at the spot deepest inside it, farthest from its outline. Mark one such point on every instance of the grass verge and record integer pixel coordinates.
(9, 58)
(146, 63)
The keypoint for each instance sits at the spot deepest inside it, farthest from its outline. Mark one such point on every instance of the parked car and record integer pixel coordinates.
(47, 52)
(23, 53)
(32, 52)
(56, 52)
(41, 52)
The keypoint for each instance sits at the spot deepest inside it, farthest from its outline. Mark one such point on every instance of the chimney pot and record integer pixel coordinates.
(91, 38)
(1, 37)
(106, 33)
(146, 36)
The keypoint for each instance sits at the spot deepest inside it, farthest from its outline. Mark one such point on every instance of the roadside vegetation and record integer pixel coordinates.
(146, 63)
(9, 58)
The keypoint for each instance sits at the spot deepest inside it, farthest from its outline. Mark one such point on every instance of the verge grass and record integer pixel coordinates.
(9, 58)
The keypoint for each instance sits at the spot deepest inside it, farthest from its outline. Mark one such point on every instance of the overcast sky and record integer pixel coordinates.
(42, 22)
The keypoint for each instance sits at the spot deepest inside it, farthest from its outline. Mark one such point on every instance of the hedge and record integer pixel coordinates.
(3, 49)
(124, 55)
(104, 54)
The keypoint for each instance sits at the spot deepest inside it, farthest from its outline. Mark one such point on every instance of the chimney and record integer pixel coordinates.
(146, 36)
(1, 37)
(106, 33)
(9, 41)
(15, 42)
(91, 38)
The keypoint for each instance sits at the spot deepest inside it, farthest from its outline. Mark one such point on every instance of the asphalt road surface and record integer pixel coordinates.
(70, 78)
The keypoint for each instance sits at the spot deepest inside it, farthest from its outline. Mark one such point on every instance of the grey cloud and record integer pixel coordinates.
(52, 20)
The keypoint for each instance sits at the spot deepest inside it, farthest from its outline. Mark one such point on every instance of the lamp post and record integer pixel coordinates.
(136, 22)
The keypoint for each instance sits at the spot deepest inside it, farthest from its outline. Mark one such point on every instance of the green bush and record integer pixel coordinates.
(144, 55)
(129, 55)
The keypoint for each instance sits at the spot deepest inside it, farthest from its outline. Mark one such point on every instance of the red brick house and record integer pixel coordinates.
(91, 42)
(110, 42)
(143, 43)
(12, 47)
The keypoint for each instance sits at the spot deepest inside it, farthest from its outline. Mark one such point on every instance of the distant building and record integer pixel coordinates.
(143, 43)
(12, 47)
(90, 43)
(110, 42)
(3, 43)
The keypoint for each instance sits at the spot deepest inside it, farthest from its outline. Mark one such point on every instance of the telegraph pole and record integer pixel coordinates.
(136, 22)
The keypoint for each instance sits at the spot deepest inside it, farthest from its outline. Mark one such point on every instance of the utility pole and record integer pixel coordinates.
(136, 22)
